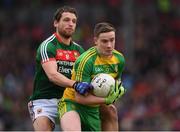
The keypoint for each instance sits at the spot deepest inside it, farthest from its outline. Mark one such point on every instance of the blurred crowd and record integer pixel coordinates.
(152, 80)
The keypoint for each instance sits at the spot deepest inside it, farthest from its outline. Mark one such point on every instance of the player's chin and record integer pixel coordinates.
(69, 33)
(108, 53)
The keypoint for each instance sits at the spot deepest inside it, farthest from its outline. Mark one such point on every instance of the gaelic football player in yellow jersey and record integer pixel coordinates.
(78, 112)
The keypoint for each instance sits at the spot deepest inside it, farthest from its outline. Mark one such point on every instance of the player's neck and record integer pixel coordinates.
(62, 39)
(66, 41)
(106, 56)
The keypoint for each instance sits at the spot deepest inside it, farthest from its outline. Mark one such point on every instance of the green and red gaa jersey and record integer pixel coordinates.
(65, 55)
(90, 63)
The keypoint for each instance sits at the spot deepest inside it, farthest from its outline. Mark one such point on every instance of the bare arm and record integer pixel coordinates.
(54, 76)
(89, 99)
(115, 93)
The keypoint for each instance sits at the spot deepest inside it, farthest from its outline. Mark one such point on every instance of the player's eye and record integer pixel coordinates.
(66, 19)
(112, 39)
(104, 41)
(74, 21)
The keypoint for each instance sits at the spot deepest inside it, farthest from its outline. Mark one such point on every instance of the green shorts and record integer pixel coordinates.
(90, 119)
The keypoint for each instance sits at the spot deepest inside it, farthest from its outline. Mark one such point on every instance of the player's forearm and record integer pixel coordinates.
(54, 76)
(89, 99)
(61, 80)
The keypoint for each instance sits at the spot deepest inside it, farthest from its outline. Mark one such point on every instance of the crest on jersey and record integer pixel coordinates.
(76, 55)
(66, 55)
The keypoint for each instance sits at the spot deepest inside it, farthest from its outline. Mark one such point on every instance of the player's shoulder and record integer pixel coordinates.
(119, 55)
(76, 44)
(115, 52)
(87, 58)
(46, 44)
(90, 52)
(49, 39)
(78, 47)
(88, 55)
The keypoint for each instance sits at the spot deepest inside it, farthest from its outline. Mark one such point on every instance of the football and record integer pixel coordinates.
(102, 84)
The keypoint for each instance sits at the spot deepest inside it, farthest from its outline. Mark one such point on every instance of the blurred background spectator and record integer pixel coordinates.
(148, 34)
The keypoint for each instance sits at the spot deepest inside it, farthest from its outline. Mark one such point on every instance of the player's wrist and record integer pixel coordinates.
(107, 101)
(75, 84)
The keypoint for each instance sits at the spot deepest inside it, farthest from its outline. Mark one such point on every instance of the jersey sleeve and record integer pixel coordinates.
(46, 52)
(83, 70)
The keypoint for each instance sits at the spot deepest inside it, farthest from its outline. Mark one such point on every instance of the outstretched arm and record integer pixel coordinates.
(59, 79)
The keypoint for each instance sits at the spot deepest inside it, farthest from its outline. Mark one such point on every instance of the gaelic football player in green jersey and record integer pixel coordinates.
(54, 62)
(79, 112)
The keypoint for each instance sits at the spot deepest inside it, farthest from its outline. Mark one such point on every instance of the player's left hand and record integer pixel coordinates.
(82, 87)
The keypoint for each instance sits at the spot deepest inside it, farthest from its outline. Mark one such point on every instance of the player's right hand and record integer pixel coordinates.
(82, 87)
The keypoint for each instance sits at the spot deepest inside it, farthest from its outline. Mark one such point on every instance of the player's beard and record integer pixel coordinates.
(65, 34)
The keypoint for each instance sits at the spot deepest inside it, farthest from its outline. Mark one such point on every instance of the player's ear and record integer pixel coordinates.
(95, 40)
(55, 23)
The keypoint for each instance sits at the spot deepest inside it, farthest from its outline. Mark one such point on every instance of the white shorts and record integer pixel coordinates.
(43, 107)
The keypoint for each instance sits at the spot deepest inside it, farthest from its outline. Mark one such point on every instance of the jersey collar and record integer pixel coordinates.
(59, 38)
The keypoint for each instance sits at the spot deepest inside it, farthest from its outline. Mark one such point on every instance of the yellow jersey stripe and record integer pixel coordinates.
(82, 65)
(83, 62)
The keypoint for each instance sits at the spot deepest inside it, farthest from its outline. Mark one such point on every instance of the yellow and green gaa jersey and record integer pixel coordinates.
(52, 49)
(90, 63)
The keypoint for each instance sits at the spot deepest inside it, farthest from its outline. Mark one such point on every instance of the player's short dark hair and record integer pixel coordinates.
(103, 27)
(59, 11)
